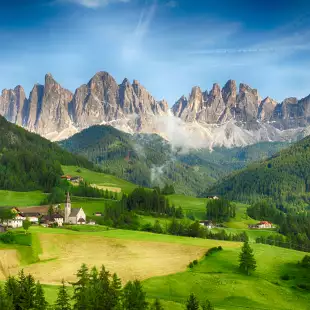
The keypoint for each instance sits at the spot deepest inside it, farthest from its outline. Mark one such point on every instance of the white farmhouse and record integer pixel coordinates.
(16, 221)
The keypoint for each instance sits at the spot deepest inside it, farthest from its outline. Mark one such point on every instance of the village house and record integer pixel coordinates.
(97, 214)
(74, 215)
(52, 219)
(213, 197)
(16, 221)
(261, 225)
(76, 179)
(207, 224)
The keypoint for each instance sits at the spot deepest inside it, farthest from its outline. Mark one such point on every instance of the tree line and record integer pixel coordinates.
(220, 210)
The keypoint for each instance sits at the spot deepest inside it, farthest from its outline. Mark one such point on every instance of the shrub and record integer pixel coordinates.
(191, 265)
(306, 261)
(285, 277)
(7, 238)
(213, 250)
(195, 262)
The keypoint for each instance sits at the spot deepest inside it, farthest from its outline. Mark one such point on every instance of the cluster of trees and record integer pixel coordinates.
(151, 202)
(118, 216)
(168, 190)
(220, 210)
(294, 224)
(58, 193)
(296, 242)
(93, 290)
(193, 303)
(30, 162)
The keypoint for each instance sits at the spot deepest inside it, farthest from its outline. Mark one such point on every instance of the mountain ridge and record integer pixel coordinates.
(220, 117)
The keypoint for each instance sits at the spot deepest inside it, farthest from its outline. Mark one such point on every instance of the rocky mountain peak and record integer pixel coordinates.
(216, 90)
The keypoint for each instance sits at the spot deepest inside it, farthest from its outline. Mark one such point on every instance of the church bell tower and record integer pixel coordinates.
(67, 208)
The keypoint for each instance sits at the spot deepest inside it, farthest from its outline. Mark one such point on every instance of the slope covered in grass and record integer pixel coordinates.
(218, 279)
(99, 178)
(21, 199)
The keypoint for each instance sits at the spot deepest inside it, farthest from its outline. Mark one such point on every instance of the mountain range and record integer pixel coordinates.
(228, 116)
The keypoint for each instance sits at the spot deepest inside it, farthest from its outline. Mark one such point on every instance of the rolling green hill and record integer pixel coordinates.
(149, 160)
(284, 177)
(30, 162)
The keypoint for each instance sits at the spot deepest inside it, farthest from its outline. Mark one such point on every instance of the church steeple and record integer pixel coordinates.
(67, 208)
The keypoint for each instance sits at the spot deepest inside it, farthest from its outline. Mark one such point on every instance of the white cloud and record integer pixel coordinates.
(95, 3)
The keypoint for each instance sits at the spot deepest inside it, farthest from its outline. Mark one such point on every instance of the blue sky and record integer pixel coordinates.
(168, 45)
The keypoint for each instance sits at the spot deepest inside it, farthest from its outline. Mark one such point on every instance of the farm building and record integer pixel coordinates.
(213, 197)
(207, 224)
(16, 221)
(52, 219)
(97, 214)
(261, 225)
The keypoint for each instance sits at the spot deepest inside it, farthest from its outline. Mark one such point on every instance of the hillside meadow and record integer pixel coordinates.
(161, 262)
(102, 180)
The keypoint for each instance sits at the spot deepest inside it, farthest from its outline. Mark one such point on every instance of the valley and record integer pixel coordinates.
(160, 261)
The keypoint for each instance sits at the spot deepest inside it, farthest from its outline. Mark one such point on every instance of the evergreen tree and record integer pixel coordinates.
(5, 300)
(12, 290)
(40, 302)
(63, 298)
(192, 302)
(27, 291)
(207, 306)
(246, 259)
(80, 289)
(157, 305)
(134, 297)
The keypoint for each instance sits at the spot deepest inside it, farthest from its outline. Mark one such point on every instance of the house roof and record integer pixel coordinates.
(74, 212)
(35, 209)
(32, 214)
(264, 222)
(52, 217)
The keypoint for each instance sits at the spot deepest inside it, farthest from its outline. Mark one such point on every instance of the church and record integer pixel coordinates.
(74, 216)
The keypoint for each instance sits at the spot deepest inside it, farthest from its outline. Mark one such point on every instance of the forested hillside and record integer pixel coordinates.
(149, 160)
(146, 160)
(29, 162)
(285, 178)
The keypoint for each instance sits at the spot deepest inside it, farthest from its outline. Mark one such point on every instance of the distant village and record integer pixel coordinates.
(47, 216)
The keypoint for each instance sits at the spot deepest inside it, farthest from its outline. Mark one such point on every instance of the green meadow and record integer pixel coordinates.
(100, 179)
(216, 277)
(20, 199)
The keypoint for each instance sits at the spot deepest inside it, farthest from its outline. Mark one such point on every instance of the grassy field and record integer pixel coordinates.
(100, 179)
(161, 261)
(20, 199)
(242, 220)
(129, 253)
(197, 206)
(218, 279)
